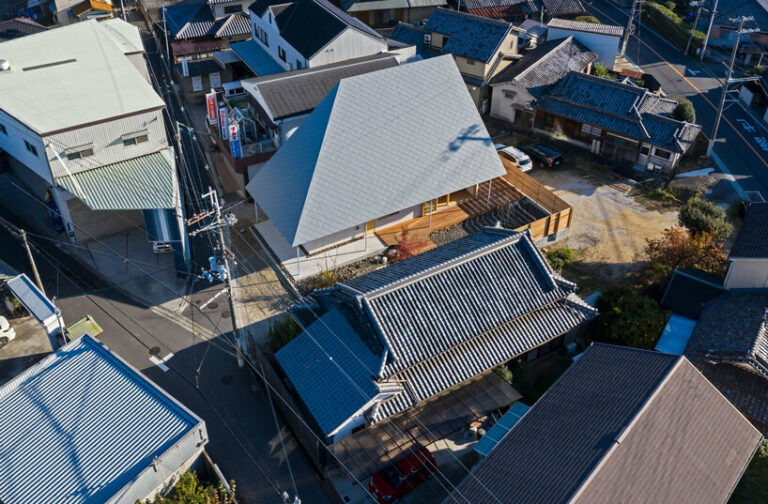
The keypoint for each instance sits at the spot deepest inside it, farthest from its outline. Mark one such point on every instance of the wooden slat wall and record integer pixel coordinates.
(533, 189)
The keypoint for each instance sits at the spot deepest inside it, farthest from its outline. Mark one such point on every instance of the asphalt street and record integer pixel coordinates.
(742, 139)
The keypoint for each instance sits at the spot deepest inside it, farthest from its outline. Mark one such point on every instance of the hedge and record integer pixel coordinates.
(671, 26)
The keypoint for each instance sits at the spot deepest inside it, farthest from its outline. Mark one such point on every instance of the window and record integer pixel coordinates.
(135, 138)
(79, 152)
(281, 53)
(265, 38)
(588, 129)
(645, 150)
(231, 9)
(31, 148)
(299, 64)
(662, 153)
(3, 130)
(270, 18)
(470, 62)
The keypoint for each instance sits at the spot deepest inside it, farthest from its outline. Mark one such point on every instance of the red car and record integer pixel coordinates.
(401, 477)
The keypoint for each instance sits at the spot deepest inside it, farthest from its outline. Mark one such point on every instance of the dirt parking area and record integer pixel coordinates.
(609, 228)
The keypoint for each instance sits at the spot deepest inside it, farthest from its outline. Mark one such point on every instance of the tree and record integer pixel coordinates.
(405, 247)
(684, 111)
(677, 248)
(599, 70)
(558, 258)
(753, 486)
(189, 490)
(701, 216)
(628, 318)
(587, 19)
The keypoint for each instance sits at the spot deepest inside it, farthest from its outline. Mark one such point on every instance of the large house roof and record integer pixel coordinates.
(442, 317)
(294, 93)
(81, 425)
(752, 239)
(469, 36)
(563, 8)
(197, 20)
(733, 328)
(19, 27)
(373, 5)
(378, 143)
(621, 425)
(501, 9)
(55, 74)
(623, 108)
(539, 69)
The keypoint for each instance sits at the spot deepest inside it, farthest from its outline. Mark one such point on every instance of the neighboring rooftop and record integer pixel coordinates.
(623, 108)
(469, 36)
(501, 9)
(620, 425)
(356, 159)
(102, 424)
(752, 238)
(689, 290)
(19, 27)
(187, 21)
(563, 8)
(256, 58)
(50, 70)
(299, 92)
(583, 26)
(366, 5)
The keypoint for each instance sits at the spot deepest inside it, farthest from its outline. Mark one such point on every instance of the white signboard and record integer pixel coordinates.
(197, 83)
(215, 78)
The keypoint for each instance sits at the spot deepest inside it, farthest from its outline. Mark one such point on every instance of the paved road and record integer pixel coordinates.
(742, 140)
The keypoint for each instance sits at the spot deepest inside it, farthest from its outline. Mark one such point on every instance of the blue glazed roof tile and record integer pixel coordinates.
(469, 36)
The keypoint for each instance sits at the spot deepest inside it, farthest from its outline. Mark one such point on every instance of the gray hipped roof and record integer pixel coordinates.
(752, 239)
(621, 425)
(294, 93)
(378, 143)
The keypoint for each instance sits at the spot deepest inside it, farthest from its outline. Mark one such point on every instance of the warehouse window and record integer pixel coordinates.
(231, 9)
(3, 130)
(281, 53)
(79, 152)
(31, 148)
(135, 138)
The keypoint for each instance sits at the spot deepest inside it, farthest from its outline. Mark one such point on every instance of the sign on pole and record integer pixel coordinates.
(234, 141)
(215, 79)
(210, 100)
(197, 83)
(185, 67)
(223, 123)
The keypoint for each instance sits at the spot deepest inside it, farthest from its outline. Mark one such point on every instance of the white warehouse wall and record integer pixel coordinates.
(605, 46)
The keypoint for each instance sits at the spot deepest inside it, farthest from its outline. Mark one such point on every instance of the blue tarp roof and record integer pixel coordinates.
(500, 428)
(256, 58)
(676, 334)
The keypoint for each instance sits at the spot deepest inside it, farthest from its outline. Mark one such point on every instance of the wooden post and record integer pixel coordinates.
(298, 261)
(490, 183)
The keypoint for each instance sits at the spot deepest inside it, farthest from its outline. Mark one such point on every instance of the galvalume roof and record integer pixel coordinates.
(378, 143)
(621, 425)
(80, 425)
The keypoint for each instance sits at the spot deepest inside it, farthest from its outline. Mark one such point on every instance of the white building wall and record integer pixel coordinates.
(107, 142)
(137, 59)
(501, 106)
(397, 218)
(12, 142)
(218, 9)
(605, 46)
(747, 274)
(274, 39)
(349, 44)
(334, 239)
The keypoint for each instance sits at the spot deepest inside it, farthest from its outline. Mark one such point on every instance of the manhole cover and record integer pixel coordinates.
(225, 314)
(155, 350)
(227, 379)
(213, 305)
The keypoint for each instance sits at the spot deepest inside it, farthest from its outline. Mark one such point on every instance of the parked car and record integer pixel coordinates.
(546, 157)
(6, 331)
(401, 477)
(499, 146)
(516, 156)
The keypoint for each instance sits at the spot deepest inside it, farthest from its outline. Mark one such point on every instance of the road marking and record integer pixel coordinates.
(670, 65)
(694, 72)
(161, 362)
(755, 196)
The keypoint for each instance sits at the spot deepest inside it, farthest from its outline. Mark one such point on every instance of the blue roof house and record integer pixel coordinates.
(82, 426)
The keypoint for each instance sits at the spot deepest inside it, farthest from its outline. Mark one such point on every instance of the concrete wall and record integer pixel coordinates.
(349, 44)
(471, 67)
(747, 274)
(91, 224)
(605, 46)
(35, 184)
(334, 239)
(501, 106)
(13, 140)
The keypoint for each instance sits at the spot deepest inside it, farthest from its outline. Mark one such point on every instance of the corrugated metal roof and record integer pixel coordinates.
(378, 143)
(81, 425)
(142, 183)
(256, 58)
(19, 27)
(583, 26)
(470, 36)
(39, 306)
(621, 425)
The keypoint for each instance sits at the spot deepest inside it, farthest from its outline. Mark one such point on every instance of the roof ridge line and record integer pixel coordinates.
(475, 17)
(544, 57)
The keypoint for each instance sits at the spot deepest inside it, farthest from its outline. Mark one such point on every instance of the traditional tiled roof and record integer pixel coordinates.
(500, 9)
(377, 5)
(19, 27)
(539, 69)
(197, 20)
(442, 317)
(583, 26)
(728, 10)
(469, 36)
(356, 158)
(689, 290)
(299, 92)
(619, 107)
(733, 328)
(563, 8)
(620, 425)
(752, 239)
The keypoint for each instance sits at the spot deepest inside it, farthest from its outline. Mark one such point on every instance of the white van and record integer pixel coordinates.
(516, 156)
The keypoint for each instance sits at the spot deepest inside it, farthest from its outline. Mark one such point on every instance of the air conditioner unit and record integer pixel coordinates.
(427, 38)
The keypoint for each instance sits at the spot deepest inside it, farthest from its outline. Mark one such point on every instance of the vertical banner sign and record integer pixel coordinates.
(197, 83)
(234, 141)
(210, 100)
(215, 79)
(185, 67)
(223, 123)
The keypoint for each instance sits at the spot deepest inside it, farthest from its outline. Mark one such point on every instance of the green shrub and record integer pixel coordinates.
(669, 4)
(587, 19)
(670, 25)
(684, 111)
(558, 258)
(660, 195)
(700, 216)
(753, 486)
(504, 373)
(628, 318)
(189, 490)
(281, 332)
(599, 70)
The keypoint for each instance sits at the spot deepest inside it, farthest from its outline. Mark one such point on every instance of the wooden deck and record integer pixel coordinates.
(419, 229)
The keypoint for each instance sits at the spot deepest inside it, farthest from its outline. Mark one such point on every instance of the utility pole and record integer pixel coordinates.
(709, 30)
(167, 49)
(700, 5)
(39, 282)
(729, 80)
(630, 22)
(223, 272)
